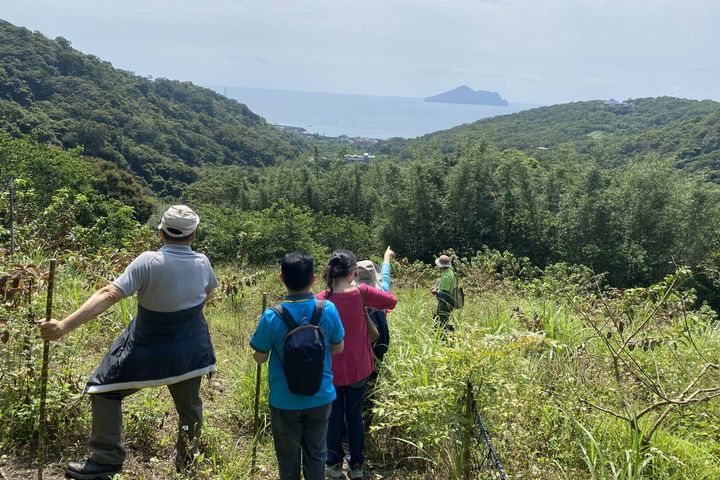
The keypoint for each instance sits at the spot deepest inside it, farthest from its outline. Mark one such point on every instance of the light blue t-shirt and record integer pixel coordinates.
(171, 279)
(269, 337)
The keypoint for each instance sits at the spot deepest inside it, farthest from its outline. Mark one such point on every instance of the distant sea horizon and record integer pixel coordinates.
(356, 115)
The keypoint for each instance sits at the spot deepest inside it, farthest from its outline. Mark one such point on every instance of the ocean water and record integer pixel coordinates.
(371, 116)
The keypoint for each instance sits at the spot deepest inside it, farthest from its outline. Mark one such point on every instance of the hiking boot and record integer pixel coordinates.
(356, 470)
(184, 463)
(90, 470)
(334, 471)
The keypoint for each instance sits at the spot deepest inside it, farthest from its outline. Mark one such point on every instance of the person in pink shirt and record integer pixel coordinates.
(353, 366)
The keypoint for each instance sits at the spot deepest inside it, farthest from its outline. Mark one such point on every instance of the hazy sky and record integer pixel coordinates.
(537, 51)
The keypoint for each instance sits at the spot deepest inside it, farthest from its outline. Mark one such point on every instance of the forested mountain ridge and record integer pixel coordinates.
(602, 191)
(688, 130)
(159, 128)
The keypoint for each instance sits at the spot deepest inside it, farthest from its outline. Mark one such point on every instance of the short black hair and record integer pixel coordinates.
(170, 238)
(297, 269)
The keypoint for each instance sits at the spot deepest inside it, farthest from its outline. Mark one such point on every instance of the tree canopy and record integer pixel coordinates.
(160, 129)
(685, 130)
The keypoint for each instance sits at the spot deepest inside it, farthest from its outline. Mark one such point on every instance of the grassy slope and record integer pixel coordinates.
(528, 384)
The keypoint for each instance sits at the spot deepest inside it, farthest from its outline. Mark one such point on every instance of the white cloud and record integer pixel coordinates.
(599, 81)
(532, 77)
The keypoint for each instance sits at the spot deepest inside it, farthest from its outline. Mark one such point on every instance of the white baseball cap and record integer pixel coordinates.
(443, 261)
(179, 221)
(368, 273)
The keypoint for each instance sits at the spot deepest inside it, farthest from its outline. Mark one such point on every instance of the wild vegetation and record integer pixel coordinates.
(684, 130)
(629, 220)
(592, 267)
(159, 129)
(544, 350)
(605, 191)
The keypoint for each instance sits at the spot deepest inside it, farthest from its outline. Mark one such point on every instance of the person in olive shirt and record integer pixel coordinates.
(444, 290)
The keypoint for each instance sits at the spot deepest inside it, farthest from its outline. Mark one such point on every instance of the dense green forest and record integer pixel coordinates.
(159, 129)
(61, 203)
(686, 130)
(604, 190)
(632, 220)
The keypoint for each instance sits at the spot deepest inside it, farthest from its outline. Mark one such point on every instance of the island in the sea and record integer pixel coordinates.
(465, 94)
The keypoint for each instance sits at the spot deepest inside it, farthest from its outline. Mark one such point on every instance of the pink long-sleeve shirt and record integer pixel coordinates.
(356, 360)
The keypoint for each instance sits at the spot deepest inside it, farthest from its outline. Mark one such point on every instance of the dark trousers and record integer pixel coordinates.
(106, 438)
(299, 437)
(347, 417)
(442, 317)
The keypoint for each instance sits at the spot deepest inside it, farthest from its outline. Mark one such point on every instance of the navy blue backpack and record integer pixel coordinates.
(381, 345)
(303, 358)
(379, 319)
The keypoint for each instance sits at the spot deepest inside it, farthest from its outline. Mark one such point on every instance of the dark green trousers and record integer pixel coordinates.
(106, 438)
(442, 316)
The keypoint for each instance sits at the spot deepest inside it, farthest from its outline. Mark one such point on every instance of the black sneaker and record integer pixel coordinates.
(184, 463)
(356, 471)
(90, 470)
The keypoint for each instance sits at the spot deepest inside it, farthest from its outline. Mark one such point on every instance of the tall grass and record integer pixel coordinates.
(530, 358)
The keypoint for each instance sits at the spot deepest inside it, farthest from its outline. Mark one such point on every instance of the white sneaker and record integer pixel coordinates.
(356, 471)
(334, 471)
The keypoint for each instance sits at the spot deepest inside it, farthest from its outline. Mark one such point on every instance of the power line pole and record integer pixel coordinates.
(12, 214)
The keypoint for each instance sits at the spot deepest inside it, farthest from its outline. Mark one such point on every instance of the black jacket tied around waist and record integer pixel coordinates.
(156, 348)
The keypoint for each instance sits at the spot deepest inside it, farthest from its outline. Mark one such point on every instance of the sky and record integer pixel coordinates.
(531, 51)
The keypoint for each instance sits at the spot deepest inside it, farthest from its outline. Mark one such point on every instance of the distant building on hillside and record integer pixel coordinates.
(619, 107)
(365, 158)
(615, 103)
(289, 128)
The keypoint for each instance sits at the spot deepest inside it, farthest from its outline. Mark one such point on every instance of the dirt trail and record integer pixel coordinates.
(13, 468)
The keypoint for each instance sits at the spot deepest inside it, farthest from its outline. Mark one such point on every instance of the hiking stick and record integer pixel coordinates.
(27, 347)
(44, 374)
(12, 217)
(256, 423)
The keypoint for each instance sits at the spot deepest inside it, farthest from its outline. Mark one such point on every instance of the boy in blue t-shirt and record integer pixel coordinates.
(299, 422)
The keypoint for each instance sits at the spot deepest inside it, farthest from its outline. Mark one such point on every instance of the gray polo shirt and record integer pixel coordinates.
(171, 279)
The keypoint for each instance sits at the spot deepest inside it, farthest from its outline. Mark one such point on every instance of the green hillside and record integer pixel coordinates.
(583, 183)
(693, 141)
(160, 129)
(688, 130)
(585, 237)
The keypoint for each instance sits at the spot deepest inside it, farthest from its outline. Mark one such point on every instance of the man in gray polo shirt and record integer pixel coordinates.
(167, 343)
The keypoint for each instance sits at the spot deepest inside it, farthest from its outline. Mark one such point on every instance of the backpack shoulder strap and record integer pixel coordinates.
(362, 296)
(366, 309)
(285, 316)
(317, 312)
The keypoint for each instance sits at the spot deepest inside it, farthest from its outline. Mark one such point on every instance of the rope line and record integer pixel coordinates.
(490, 459)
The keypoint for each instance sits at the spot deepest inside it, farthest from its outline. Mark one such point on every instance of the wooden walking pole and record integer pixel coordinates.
(28, 337)
(44, 375)
(256, 423)
(12, 216)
